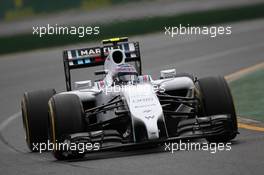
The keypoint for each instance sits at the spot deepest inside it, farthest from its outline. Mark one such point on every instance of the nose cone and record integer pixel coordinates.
(145, 108)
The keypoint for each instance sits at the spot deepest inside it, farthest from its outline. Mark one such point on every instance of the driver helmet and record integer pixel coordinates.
(125, 74)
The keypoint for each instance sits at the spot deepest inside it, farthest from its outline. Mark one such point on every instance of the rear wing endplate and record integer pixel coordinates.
(95, 56)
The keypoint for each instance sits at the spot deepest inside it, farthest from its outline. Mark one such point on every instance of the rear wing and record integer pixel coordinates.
(95, 56)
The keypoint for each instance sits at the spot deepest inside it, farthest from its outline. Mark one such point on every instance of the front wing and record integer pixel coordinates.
(189, 129)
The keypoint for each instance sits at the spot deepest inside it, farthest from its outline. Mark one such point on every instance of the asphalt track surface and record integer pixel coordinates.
(201, 55)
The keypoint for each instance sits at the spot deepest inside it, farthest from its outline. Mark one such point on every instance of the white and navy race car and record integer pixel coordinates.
(125, 108)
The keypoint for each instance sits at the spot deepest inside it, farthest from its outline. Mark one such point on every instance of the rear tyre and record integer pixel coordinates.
(34, 106)
(217, 99)
(66, 117)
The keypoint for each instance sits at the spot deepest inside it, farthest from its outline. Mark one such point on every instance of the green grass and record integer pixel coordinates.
(19, 9)
(19, 43)
(248, 94)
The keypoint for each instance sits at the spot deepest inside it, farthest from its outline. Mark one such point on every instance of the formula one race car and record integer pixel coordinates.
(126, 109)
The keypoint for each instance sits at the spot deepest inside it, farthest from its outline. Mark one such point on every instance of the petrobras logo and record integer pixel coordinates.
(143, 100)
(125, 68)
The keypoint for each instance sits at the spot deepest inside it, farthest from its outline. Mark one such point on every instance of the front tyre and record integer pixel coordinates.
(217, 99)
(34, 106)
(66, 117)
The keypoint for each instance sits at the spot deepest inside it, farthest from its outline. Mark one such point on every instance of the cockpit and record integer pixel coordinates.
(125, 74)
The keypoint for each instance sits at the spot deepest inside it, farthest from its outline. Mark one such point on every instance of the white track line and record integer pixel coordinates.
(9, 120)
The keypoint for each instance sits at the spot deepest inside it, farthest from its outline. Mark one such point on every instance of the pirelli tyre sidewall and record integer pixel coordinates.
(66, 117)
(217, 99)
(34, 106)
